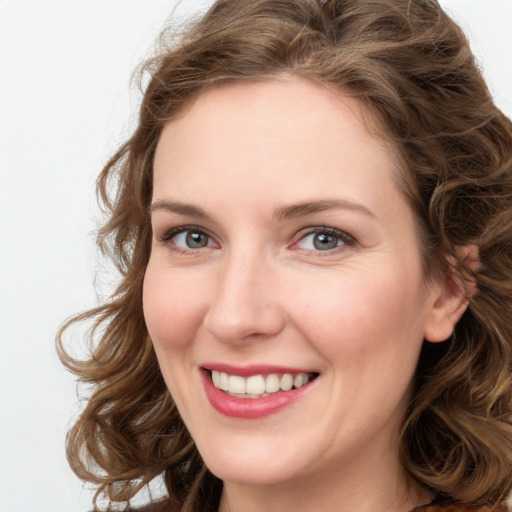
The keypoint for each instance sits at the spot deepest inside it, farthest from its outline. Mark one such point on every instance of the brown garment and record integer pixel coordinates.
(158, 506)
(463, 507)
(164, 506)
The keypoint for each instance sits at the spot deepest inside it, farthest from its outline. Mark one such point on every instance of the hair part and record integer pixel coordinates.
(412, 68)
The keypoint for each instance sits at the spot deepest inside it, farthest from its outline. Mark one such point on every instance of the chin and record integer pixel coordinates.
(244, 473)
(258, 465)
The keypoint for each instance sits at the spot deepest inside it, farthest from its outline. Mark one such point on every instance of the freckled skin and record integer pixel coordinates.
(260, 292)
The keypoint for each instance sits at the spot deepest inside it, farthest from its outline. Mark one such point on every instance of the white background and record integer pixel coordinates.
(65, 104)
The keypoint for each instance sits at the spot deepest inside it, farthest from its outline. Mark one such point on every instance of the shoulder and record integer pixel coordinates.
(463, 507)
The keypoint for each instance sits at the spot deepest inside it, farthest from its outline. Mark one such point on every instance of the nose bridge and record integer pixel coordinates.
(244, 304)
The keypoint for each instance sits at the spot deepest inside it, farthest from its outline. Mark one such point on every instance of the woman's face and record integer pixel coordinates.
(284, 256)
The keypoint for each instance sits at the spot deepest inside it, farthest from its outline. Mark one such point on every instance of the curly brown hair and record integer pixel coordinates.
(412, 67)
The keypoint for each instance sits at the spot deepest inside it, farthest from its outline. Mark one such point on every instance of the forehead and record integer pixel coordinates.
(284, 97)
(246, 130)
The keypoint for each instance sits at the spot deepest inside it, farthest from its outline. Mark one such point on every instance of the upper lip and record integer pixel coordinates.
(253, 369)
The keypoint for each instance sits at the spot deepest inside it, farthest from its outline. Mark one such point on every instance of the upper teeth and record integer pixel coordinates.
(257, 386)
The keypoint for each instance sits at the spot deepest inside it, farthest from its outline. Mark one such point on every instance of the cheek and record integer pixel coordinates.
(173, 309)
(173, 313)
(363, 315)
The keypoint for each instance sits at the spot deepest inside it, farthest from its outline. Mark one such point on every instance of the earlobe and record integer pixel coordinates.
(451, 294)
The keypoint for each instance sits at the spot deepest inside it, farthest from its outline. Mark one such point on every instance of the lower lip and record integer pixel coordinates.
(249, 408)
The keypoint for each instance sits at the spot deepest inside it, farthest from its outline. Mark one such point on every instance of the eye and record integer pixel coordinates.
(325, 239)
(192, 239)
(188, 238)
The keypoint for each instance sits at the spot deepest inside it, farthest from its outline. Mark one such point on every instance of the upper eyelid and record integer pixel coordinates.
(169, 233)
(301, 234)
(329, 230)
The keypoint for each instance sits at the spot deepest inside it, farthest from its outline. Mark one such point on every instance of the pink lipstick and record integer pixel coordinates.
(253, 392)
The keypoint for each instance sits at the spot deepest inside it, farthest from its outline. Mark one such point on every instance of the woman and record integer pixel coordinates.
(313, 226)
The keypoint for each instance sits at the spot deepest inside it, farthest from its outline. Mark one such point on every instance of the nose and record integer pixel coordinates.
(245, 304)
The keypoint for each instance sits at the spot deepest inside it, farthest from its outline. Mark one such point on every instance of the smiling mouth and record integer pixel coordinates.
(261, 385)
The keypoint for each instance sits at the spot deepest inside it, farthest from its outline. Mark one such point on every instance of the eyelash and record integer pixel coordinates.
(342, 236)
(173, 232)
(345, 238)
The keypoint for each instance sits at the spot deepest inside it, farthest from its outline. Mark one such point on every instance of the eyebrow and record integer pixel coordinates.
(180, 208)
(315, 206)
(282, 212)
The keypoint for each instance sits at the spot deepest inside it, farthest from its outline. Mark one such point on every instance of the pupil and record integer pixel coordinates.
(325, 242)
(195, 240)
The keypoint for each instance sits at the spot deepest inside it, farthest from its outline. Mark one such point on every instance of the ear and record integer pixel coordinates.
(451, 294)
